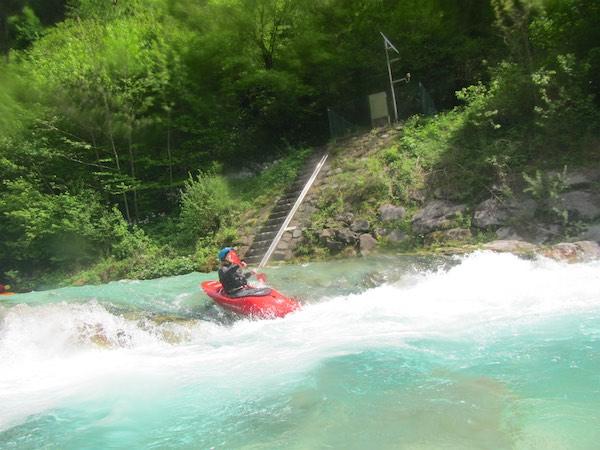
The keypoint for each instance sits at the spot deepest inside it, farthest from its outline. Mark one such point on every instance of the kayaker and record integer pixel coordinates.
(4, 288)
(233, 279)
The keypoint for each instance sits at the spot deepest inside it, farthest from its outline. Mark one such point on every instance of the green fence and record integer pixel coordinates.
(353, 116)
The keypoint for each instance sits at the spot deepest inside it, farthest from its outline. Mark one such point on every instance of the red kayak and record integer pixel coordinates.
(273, 304)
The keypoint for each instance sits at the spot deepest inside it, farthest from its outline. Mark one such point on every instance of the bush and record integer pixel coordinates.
(206, 205)
(64, 229)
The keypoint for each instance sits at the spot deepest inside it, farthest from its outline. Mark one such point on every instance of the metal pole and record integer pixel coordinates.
(387, 57)
(290, 215)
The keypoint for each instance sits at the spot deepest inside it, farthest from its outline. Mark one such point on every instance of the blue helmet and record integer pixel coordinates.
(223, 253)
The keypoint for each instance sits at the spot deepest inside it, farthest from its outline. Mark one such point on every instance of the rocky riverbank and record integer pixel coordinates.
(350, 211)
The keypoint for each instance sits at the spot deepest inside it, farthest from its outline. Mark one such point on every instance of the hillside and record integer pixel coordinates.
(355, 206)
(137, 137)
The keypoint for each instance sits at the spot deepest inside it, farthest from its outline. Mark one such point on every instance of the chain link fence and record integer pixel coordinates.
(354, 116)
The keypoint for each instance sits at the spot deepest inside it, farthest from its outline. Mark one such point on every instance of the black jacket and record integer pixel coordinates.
(232, 278)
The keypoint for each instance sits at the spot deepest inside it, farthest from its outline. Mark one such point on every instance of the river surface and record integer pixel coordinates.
(486, 351)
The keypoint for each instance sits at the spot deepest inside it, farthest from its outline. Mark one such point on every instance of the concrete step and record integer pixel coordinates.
(253, 260)
(258, 252)
(264, 235)
(275, 221)
(262, 243)
(283, 208)
(267, 232)
(267, 228)
(277, 215)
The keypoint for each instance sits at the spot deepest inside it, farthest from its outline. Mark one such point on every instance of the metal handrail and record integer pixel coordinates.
(290, 215)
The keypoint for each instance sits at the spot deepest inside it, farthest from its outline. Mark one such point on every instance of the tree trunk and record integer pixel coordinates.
(115, 153)
(132, 165)
(4, 45)
(169, 150)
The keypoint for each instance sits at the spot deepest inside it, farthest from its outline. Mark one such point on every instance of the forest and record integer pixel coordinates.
(120, 119)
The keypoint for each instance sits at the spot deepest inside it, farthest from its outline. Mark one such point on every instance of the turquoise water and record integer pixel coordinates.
(486, 351)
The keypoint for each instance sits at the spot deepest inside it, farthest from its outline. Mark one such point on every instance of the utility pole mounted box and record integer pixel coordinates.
(378, 106)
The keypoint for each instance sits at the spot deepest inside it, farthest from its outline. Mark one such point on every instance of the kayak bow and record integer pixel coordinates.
(272, 305)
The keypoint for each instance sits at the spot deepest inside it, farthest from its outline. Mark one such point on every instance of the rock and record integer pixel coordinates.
(436, 215)
(388, 213)
(349, 252)
(345, 218)
(583, 205)
(309, 210)
(573, 251)
(297, 233)
(588, 250)
(508, 234)
(458, 234)
(494, 213)
(490, 213)
(578, 179)
(454, 234)
(334, 246)
(326, 235)
(562, 252)
(338, 171)
(417, 196)
(511, 246)
(592, 233)
(382, 232)
(521, 207)
(283, 245)
(360, 226)
(367, 244)
(282, 254)
(544, 233)
(346, 236)
(396, 236)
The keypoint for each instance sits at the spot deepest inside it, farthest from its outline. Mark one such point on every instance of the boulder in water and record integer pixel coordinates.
(367, 244)
(512, 246)
(573, 251)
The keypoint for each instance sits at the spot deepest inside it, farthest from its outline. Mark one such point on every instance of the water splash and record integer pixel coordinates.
(112, 347)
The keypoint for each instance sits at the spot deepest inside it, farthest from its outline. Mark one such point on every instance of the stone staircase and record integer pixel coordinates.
(268, 231)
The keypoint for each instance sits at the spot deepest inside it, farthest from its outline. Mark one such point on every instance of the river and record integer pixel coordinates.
(483, 351)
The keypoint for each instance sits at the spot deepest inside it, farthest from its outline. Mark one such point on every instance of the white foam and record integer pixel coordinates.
(53, 353)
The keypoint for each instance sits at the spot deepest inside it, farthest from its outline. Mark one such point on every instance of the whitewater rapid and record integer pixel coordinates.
(74, 352)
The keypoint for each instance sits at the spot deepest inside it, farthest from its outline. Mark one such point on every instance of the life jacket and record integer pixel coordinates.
(232, 278)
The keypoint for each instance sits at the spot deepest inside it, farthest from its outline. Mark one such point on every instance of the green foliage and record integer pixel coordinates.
(360, 186)
(63, 229)
(270, 182)
(521, 117)
(206, 206)
(24, 28)
(158, 263)
(120, 101)
(546, 188)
